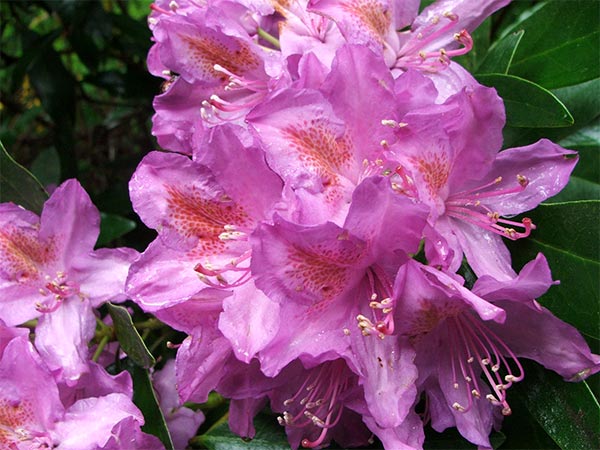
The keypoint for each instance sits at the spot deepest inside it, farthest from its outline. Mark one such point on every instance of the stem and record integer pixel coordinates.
(268, 37)
(101, 346)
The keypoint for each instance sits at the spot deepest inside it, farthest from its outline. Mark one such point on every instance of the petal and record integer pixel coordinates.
(547, 167)
(201, 361)
(241, 169)
(163, 277)
(388, 375)
(409, 435)
(101, 275)
(392, 224)
(485, 251)
(470, 15)
(311, 265)
(184, 201)
(533, 281)
(309, 146)
(75, 323)
(70, 218)
(242, 413)
(249, 320)
(539, 335)
(28, 386)
(98, 416)
(361, 98)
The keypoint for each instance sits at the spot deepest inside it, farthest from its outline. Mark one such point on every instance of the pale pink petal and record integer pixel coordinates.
(75, 323)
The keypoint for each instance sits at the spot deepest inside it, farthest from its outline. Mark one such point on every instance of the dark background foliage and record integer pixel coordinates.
(76, 98)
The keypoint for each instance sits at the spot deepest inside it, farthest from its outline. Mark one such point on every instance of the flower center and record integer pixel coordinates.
(415, 54)
(467, 206)
(381, 322)
(318, 401)
(55, 291)
(471, 343)
(238, 271)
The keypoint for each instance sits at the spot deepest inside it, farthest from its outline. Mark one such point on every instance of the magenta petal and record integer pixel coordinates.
(388, 375)
(75, 323)
(533, 281)
(378, 213)
(539, 335)
(361, 98)
(101, 275)
(163, 277)
(409, 435)
(200, 361)
(28, 386)
(249, 320)
(486, 252)
(70, 217)
(98, 416)
(546, 166)
(241, 415)
(470, 15)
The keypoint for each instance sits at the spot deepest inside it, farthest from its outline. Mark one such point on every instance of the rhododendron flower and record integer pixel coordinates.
(48, 269)
(182, 422)
(204, 214)
(33, 416)
(468, 344)
(221, 72)
(449, 159)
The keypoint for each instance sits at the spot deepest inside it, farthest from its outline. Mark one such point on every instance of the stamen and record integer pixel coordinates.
(467, 206)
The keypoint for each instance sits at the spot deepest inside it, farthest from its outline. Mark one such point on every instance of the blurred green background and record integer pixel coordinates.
(76, 98)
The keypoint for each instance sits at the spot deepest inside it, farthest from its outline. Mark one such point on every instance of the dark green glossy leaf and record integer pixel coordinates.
(527, 104)
(567, 234)
(46, 167)
(578, 189)
(144, 398)
(18, 185)
(561, 44)
(582, 101)
(269, 436)
(129, 339)
(569, 412)
(501, 54)
(113, 226)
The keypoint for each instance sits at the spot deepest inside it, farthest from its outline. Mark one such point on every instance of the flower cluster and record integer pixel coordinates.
(330, 173)
(52, 281)
(317, 154)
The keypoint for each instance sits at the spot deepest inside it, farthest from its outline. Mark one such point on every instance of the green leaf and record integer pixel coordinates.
(567, 234)
(582, 101)
(18, 185)
(129, 339)
(527, 104)
(501, 54)
(46, 167)
(577, 189)
(145, 399)
(569, 412)
(269, 436)
(561, 44)
(113, 226)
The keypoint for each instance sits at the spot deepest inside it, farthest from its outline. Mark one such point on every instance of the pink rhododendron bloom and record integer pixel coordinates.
(221, 71)
(204, 214)
(49, 269)
(468, 344)
(182, 422)
(33, 415)
(448, 158)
